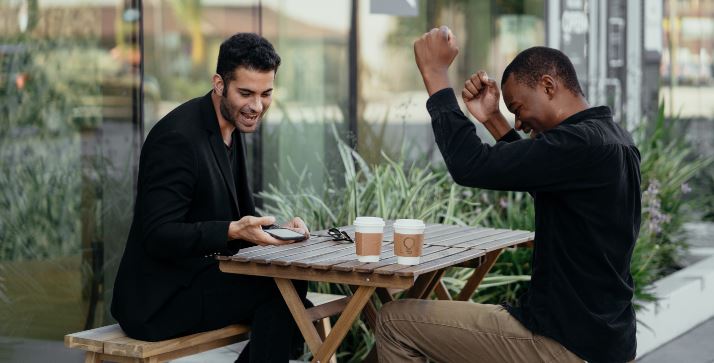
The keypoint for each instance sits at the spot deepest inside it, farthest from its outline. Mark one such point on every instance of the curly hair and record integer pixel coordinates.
(531, 64)
(247, 50)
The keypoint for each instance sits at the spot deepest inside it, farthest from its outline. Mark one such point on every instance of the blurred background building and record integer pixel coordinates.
(84, 81)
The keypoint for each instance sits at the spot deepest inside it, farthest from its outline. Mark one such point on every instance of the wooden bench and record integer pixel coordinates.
(109, 343)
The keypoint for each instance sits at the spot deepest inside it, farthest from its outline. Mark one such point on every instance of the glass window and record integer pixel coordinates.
(311, 95)
(687, 66)
(392, 95)
(69, 134)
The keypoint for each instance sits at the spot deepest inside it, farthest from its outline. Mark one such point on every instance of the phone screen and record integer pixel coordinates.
(285, 234)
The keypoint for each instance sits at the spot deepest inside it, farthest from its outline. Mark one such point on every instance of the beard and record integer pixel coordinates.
(232, 114)
(228, 112)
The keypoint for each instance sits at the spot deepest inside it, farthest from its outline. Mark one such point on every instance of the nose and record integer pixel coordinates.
(256, 105)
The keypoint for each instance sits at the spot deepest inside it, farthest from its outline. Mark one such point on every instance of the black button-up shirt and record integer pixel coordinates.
(585, 177)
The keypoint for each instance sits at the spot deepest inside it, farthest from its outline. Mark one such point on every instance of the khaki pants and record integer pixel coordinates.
(458, 331)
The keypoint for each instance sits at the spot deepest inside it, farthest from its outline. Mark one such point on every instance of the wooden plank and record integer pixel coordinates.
(369, 267)
(506, 242)
(324, 328)
(369, 312)
(442, 293)
(349, 265)
(196, 349)
(119, 359)
(338, 277)
(318, 298)
(443, 252)
(248, 254)
(504, 239)
(324, 262)
(387, 256)
(419, 290)
(286, 258)
(271, 254)
(344, 323)
(347, 259)
(297, 309)
(126, 346)
(93, 340)
(327, 309)
(442, 262)
(478, 275)
(467, 237)
(92, 357)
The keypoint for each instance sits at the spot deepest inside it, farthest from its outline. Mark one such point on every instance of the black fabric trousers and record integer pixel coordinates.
(239, 299)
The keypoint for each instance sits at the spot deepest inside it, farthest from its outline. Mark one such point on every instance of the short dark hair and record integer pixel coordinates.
(247, 50)
(531, 64)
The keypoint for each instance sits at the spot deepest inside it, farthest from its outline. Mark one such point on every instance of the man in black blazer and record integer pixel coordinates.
(194, 202)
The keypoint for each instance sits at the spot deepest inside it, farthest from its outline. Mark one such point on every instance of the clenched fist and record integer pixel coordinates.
(434, 52)
(481, 96)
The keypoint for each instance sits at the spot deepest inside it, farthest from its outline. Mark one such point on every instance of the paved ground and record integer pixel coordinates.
(695, 346)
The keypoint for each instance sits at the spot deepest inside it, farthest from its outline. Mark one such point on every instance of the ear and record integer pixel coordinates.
(218, 84)
(549, 85)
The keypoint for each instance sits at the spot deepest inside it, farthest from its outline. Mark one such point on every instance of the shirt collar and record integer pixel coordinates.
(590, 113)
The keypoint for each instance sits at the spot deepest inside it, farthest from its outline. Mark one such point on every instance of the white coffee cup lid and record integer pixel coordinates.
(369, 222)
(409, 223)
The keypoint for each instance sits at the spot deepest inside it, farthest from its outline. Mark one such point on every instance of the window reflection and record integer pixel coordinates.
(69, 119)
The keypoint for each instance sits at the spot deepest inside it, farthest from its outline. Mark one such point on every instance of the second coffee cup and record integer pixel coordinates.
(369, 233)
(408, 240)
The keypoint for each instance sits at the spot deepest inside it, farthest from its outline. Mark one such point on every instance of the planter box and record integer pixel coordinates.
(686, 299)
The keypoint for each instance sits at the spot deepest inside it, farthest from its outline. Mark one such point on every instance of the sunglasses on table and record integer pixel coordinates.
(336, 234)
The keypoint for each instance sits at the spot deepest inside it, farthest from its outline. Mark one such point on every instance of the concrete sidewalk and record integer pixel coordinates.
(694, 346)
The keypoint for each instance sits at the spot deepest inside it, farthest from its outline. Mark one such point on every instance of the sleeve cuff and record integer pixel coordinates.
(510, 136)
(215, 237)
(443, 100)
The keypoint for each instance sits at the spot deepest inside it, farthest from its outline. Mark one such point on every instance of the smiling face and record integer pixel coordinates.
(532, 106)
(245, 99)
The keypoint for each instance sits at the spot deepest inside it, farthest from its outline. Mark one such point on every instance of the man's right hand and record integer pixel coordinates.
(250, 229)
(481, 96)
(434, 52)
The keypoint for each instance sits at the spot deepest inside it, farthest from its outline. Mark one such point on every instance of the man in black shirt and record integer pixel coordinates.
(583, 172)
(194, 202)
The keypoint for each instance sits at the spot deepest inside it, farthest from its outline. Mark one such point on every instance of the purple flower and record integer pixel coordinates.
(503, 203)
(686, 188)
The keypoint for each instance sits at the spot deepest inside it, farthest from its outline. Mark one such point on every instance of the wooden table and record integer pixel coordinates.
(324, 260)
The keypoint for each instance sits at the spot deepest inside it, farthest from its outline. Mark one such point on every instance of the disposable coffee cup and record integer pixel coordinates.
(369, 233)
(408, 240)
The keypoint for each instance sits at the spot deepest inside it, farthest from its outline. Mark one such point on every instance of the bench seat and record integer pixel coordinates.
(109, 343)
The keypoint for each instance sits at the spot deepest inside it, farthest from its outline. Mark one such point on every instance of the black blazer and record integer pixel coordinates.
(186, 198)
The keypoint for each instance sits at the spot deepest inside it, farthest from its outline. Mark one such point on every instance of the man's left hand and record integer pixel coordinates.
(298, 225)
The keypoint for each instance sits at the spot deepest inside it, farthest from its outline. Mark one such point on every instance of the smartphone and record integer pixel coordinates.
(285, 234)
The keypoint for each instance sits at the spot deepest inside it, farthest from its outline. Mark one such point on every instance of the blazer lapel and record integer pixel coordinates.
(218, 147)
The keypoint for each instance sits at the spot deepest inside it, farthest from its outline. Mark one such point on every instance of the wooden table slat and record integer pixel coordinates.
(348, 261)
(246, 254)
(498, 244)
(392, 260)
(441, 253)
(504, 239)
(439, 263)
(467, 237)
(334, 248)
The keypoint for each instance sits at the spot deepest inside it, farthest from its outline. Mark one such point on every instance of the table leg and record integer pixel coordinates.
(369, 313)
(344, 323)
(297, 309)
(478, 275)
(425, 284)
(323, 350)
(442, 293)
